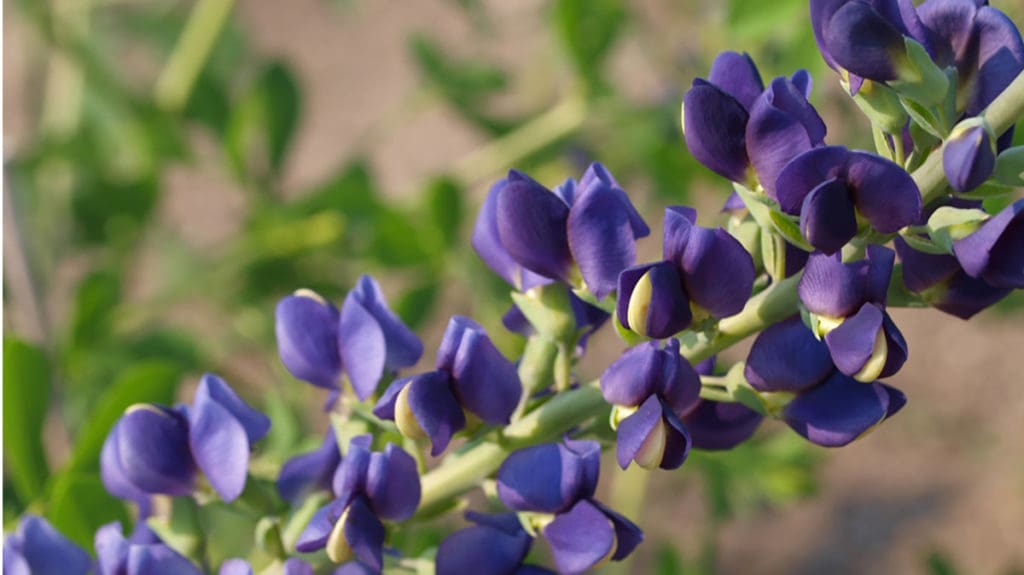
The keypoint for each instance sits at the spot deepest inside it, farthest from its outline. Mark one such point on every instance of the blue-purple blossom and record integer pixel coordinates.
(471, 375)
(494, 544)
(653, 388)
(718, 426)
(865, 38)
(309, 472)
(365, 341)
(791, 366)
(145, 555)
(705, 271)
(586, 231)
(715, 114)
(968, 157)
(369, 487)
(559, 479)
(942, 282)
(847, 306)
(155, 449)
(995, 252)
(832, 189)
(36, 548)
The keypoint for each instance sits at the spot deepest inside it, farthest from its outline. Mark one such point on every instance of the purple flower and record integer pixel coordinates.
(995, 252)
(471, 374)
(494, 544)
(36, 548)
(588, 230)
(308, 472)
(368, 487)
(831, 188)
(847, 303)
(653, 389)
(154, 449)
(704, 270)
(782, 125)
(365, 341)
(718, 426)
(789, 365)
(968, 157)
(116, 555)
(944, 284)
(866, 37)
(559, 480)
(715, 115)
(241, 567)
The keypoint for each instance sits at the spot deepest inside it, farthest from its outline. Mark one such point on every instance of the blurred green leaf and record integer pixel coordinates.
(151, 381)
(26, 397)
(396, 240)
(112, 211)
(95, 299)
(939, 563)
(444, 200)
(587, 29)
(416, 305)
(262, 124)
(753, 20)
(79, 505)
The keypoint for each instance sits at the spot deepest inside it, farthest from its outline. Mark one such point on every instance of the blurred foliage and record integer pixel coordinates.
(87, 188)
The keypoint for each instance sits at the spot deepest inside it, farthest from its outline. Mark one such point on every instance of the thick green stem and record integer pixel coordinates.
(174, 87)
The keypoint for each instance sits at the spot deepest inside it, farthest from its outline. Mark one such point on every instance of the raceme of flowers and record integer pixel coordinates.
(844, 233)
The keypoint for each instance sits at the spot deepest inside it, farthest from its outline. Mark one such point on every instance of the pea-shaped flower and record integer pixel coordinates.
(146, 555)
(718, 426)
(832, 189)
(494, 544)
(715, 115)
(369, 487)
(705, 271)
(791, 367)
(364, 341)
(968, 157)
(292, 566)
(652, 389)
(995, 252)
(308, 472)
(865, 38)
(586, 231)
(471, 375)
(847, 306)
(943, 283)
(555, 482)
(155, 449)
(36, 548)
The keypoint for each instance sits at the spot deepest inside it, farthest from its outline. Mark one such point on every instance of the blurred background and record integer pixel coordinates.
(172, 168)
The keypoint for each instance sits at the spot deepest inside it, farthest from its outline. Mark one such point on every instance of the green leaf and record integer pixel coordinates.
(416, 305)
(789, 228)
(95, 299)
(396, 240)
(447, 210)
(151, 381)
(1009, 168)
(587, 30)
(79, 505)
(923, 244)
(26, 397)
(924, 118)
(262, 124)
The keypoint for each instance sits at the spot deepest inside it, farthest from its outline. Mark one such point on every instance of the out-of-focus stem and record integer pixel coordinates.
(174, 86)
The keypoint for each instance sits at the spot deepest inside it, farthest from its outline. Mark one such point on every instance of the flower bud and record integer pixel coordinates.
(968, 156)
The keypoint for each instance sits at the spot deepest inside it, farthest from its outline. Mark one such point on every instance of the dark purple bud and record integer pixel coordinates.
(549, 478)
(840, 410)
(309, 472)
(652, 301)
(941, 281)
(36, 548)
(968, 158)
(307, 338)
(148, 448)
(532, 226)
(487, 243)
(119, 556)
(719, 426)
(372, 340)
(222, 429)
(787, 357)
(782, 125)
(646, 370)
(995, 252)
(495, 544)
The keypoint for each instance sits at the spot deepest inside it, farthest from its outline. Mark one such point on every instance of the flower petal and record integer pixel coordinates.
(318, 530)
(393, 484)
(47, 551)
(307, 338)
(827, 217)
(651, 300)
(634, 376)
(856, 341)
(736, 75)
(532, 226)
(220, 447)
(436, 408)
(153, 446)
(635, 435)
(782, 125)
(486, 382)
(996, 251)
(714, 125)
(598, 175)
(482, 549)
(787, 357)
(158, 559)
(403, 347)
(213, 388)
(863, 41)
(838, 411)
(720, 426)
(364, 533)
(806, 172)
(111, 549)
(968, 158)
(487, 243)
(545, 478)
(718, 272)
(580, 538)
(601, 237)
(235, 567)
(627, 535)
(884, 193)
(679, 222)
(295, 566)
(831, 288)
(310, 471)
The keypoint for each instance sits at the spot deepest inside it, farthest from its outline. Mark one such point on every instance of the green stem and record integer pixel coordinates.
(1000, 115)
(174, 86)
